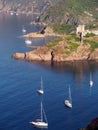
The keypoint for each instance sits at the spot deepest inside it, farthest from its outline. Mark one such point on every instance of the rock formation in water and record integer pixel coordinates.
(58, 54)
(93, 125)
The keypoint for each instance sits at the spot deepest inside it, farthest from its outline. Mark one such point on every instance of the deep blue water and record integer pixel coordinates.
(19, 80)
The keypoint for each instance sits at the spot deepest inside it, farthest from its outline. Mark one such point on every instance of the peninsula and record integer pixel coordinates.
(64, 48)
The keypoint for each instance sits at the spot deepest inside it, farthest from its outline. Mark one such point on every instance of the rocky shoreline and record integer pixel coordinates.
(43, 54)
(64, 48)
(48, 32)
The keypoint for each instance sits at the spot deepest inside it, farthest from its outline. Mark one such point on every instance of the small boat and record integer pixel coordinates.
(91, 81)
(23, 30)
(40, 123)
(68, 102)
(28, 41)
(17, 14)
(41, 91)
(11, 13)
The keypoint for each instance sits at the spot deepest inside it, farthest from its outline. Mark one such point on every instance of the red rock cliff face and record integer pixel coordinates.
(94, 55)
(34, 56)
(43, 54)
(81, 53)
(19, 56)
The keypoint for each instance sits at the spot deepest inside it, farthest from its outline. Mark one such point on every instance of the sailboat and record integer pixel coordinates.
(11, 13)
(41, 91)
(91, 81)
(24, 30)
(68, 102)
(40, 123)
(28, 41)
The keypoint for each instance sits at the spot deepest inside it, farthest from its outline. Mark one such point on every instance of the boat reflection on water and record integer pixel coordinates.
(91, 80)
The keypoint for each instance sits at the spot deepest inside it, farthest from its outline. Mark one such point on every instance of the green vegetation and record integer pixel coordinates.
(93, 44)
(68, 12)
(72, 37)
(73, 12)
(63, 29)
(54, 43)
(90, 35)
(66, 48)
(71, 43)
(72, 47)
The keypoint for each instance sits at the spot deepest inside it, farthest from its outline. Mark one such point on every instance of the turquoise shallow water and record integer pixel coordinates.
(19, 80)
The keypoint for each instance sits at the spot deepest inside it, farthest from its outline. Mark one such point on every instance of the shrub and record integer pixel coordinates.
(90, 35)
(63, 29)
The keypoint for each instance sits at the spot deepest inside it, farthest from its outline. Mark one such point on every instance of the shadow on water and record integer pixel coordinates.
(76, 67)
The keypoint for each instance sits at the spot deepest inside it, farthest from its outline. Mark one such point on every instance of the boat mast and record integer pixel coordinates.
(45, 116)
(41, 84)
(70, 95)
(41, 112)
(90, 76)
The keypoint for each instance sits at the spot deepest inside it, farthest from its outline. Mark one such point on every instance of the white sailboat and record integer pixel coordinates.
(91, 81)
(23, 29)
(41, 91)
(40, 123)
(68, 102)
(28, 41)
(11, 13)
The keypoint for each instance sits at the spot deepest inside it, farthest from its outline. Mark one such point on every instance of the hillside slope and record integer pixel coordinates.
(56, 11)
(25, 6)
(73, 12)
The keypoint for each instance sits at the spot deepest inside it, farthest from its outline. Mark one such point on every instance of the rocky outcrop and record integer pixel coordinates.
(93, 125)
(82, 53)
(40, 54)
(94, 55)
(33, 35)
(44, 54)
(48, 32)
(19, 56)
(32, 56)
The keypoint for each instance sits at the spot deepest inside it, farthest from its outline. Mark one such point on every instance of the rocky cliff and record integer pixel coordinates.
(24, 6)
(60, 51)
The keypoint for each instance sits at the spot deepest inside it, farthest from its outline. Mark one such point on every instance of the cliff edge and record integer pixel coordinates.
(65, 48)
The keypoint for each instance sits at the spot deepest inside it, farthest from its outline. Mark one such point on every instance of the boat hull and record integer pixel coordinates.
(68, 104)
(40, 124)
(23, 30)
(28, 42)
(91, 83)
(40, 91)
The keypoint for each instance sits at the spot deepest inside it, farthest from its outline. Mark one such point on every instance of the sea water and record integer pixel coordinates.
(19, 81)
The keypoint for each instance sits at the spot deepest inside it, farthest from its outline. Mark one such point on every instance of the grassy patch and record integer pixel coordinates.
(93, 44)
(90, 35)
(73, 46)
(72, 37)
(54, 43)
(68, 52)
(63, 29)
